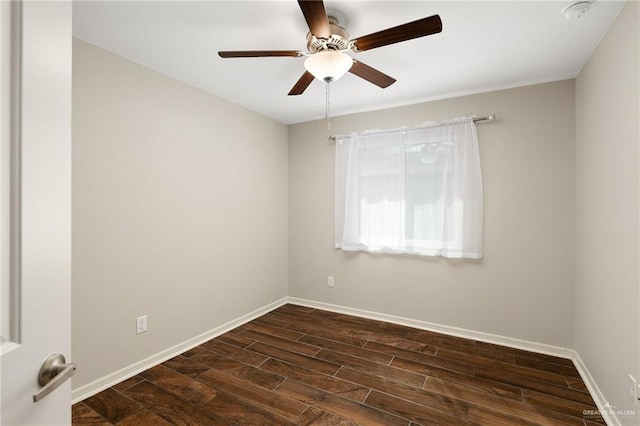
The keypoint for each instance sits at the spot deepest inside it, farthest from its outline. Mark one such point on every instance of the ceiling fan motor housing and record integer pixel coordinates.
(339, 39)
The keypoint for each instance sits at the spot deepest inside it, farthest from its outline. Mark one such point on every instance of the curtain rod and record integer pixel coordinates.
(486, 119)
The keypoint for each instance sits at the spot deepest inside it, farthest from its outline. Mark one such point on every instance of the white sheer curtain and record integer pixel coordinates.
(416, 191)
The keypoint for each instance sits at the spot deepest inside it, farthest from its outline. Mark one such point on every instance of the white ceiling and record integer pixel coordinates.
(483, 46)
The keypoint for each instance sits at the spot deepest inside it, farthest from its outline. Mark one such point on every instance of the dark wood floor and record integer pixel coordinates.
(299, 365)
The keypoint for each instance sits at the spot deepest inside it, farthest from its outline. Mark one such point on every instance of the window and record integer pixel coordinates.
(415, 191)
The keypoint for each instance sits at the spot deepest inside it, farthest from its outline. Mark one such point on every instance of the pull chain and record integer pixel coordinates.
(326, 113)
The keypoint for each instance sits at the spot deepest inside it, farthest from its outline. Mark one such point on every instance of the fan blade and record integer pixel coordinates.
(372, 75)
(420, 28)
(302, 84)
(259, 53)
(316, 17)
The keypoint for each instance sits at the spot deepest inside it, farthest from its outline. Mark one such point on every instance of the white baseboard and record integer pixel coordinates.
(607, 413)
(116, 377)
(439, 328)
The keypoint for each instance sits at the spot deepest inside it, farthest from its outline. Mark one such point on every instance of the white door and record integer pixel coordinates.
(36, 294)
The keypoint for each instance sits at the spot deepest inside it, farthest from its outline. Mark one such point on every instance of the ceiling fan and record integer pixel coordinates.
(327, 43)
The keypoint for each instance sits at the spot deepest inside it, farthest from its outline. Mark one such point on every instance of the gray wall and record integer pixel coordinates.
(607, 214)
(179, 211)
(523, 288)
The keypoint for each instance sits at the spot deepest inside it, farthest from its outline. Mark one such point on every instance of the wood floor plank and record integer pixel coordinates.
(361, 333)
(529, 373)
(295, 309)
(420, 414)
(479, 384)
(536, 385)
(341, 407)
(126, 384)
(187, 366)
(266, 399)
(243, 355)
(566, 370)
(169, 407)
(376, 369)
(191, 352)
(484, 416)
(82, 415)
(326, 333)
(258, 376)
(423, 364)
(477, 356)
(440, 340)
(491, 347)
(553, 403)
(316, 417)
(312, 378)
(143, 417)
(400, 343)
(112, 405)
(178, 384)
(279, 342)
(217, 361)
(239, 411)
(367, 325)
(273, 330)
(271, 318)
(577, 384)
(391, 350)
(344, 348)
(450, 407)
(235, 339)
(290, 318)
(313, 315)
(319, 365)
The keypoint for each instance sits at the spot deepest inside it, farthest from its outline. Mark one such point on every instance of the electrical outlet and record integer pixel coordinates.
(141, 324)
(330, 281)
(633, 389)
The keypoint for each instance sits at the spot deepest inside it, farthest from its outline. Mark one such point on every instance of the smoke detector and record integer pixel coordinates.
(577, 10)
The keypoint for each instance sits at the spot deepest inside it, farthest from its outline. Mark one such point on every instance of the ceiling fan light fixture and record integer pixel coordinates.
(328, 65)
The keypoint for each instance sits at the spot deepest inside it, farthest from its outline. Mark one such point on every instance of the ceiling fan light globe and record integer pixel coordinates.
(328, 65)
